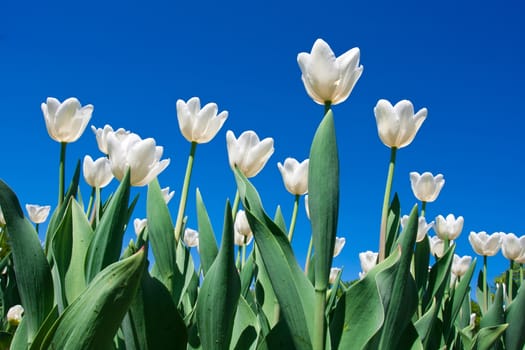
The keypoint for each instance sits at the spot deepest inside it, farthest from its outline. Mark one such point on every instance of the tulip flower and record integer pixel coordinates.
(484, 244)
(426, 187)
(334, 271)
(242, 240)
(139, 225)
(512, 247)
(339, 244)
(142, 157)
(328, 79)
(295, 175)
(66, 121)
(102, 135)
(422, 226)
(15, 314)
(38, 213)
(241, 224)
(368, 260)
(247, 152)
(166, 194)
(97, 173)
(437, 246)
(196, 124)
(460, 265)
(191, 238)
(449, 228)
(397, 125)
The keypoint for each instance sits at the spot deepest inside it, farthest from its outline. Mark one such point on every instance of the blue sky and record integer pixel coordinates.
(133, 60)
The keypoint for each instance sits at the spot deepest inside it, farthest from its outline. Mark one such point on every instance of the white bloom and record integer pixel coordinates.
(368, 260)
(14, 315)
(460, 265)
(66, 121)
(247, 152)
(339, 244)
(397, 125)
(484, 244)
(241, 224)
(97, 173)
(449, 228)
(141, 156)
(139, 225)
(327, 78)
(334, 271)
(102, 136)
(166, 194)
(241, 239)
(437, 246)
(426, 187)
(295, 175)
(422, 226)
(512, 247)
(37, 213)
(196, 124)
(191, 238)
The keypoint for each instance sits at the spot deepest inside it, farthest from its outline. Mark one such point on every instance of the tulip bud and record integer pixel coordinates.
(422, 226)
(247, 152)
(166, 194)
(295, 175)
(14, 315)
(97, 173)
(327, 78)
(196, 124)
(368, 260)
(397, 125)
(139, 225)
(334, 271)
(512, 247)
(191, 238)
(241, 224)
(37, 213)
(66, 121)
(426, 187)
(449, 228)
(339, 244)
(484, 244)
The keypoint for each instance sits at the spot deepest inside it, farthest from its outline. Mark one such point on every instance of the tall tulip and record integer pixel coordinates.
(247, 152)
(326, 78)
(426, 187)
(448, 228)
(199, 125)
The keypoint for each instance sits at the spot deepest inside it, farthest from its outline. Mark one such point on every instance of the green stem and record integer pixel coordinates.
(510, 280)
(308, 255)
(485, 293)
(238, 259)
(97, 205)
(36, 229)
(521, 274)
(235, 206)
(184, 192)
(386, 200)
(90, 203)
(319, 322)
(423, 208)
(327, 105)
(294, 217)
(61, 173)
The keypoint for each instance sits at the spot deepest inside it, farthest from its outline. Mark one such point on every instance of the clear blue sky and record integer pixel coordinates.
(464, 61)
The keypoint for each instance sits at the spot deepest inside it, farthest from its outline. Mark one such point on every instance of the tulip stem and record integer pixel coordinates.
(61, 172)
(97, 205)
(386, 201)
(521, 274)
(327, 105)
(485, 294)
(90, 203)
(511, 275)
(184, 192)
(423, 208)
(319, 323)
(36, 229)
(294, 217)
(235, 206)
(308, 254)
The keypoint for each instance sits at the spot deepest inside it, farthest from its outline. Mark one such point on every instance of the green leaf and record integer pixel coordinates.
(207, 243)
(245, 327)
(106, 244)
(439, 278)
(394, 213)
(92, 320)
(33, 274)
(426, 322)
(495, 315)
(421, 263)
(488, 336)
(514, 315)
(265, 295)
(293, 290)
(323, 197)
(219, 294)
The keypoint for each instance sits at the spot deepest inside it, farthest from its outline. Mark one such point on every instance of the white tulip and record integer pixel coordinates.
(102, 135)
(240, 239)
(460, 265)
(484, 244)
(166, 194)
(426, 187)
(512, 247)
(15, 314)
(139, 225)
(247, 152)
(339, 244)
(241, 224)
(327, 78)
(199, 125)
(66, 121)
(37, 213)
(437, 246)
(334, 271)
(142, 157)
(422, 226)
(295, 175)
(191, 238)
(397, 125)
(368, 260)
(449, 228)
(97, 173)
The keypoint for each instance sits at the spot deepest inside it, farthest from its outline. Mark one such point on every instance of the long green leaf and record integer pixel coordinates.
(92, 320)
(439, 278)
(495, 315)
(515, 333)
(32, 270)
(394, 213)
(487, 336)
(207, 243)
(245, 327)
(323, 197)
(219, 294)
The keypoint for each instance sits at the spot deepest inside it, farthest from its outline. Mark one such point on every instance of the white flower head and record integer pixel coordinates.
(328, 78)
(66, 121)
(426, 187)
(102, 135)
(97, 173)
(437, 246)
(191, 238)
(512, 247)
(166, 194)
(15, 314)
(397, 125)
(241, 224)
(484, 244)
(247, 152)
(339, 244)
(139, 225)
(448, 228)
(37, 213)
(240, 239)
(368, 260)
(422, 226)
(199, 125)
(334, 271)
(460, 265)
(295, 175)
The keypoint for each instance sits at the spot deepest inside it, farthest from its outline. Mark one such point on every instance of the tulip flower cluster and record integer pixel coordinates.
(84, 288)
